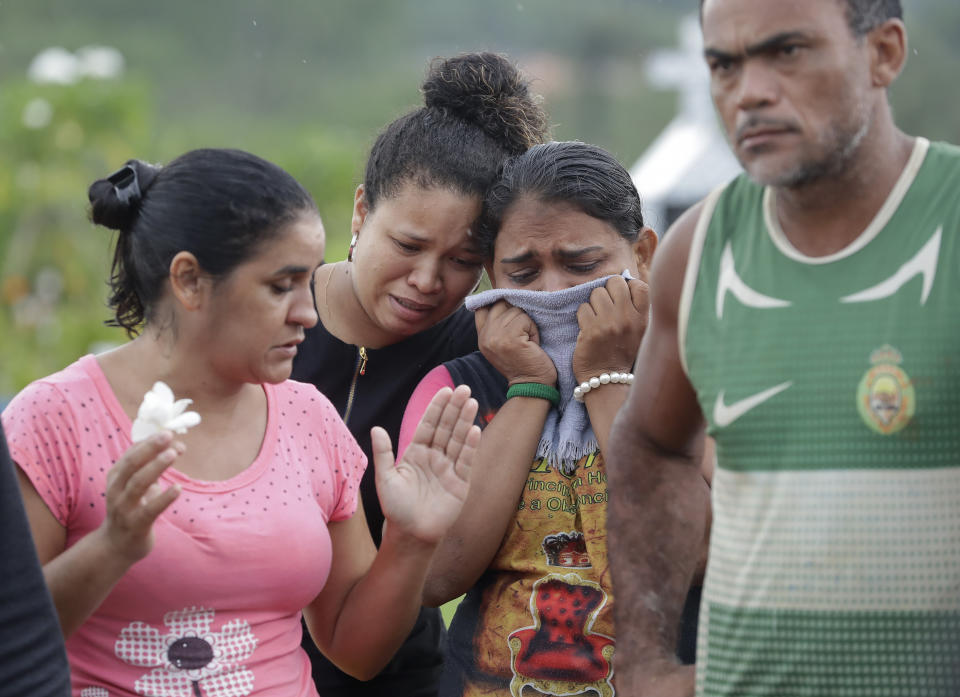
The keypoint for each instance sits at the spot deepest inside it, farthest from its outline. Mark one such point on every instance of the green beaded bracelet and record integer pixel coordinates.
(535, 389)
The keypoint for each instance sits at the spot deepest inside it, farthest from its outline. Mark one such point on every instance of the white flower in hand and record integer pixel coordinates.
(158, 411)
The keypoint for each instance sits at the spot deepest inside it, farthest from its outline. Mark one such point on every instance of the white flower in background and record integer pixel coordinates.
(158, 411)
(188, 659)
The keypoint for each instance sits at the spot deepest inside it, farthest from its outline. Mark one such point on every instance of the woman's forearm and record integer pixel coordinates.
(602, 406)
(378, 612)
(507, 449)
(81, 578)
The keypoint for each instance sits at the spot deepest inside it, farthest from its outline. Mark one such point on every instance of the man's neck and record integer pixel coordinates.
(825, 216)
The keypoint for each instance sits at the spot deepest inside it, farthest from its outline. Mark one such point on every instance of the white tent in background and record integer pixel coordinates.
(691, 156)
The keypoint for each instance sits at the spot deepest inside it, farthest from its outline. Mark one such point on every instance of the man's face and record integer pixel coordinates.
(792, 86)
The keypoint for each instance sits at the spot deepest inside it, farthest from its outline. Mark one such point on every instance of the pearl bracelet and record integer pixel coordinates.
(580, 391)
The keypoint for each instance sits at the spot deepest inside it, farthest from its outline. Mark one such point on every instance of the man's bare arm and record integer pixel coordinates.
(659, 501)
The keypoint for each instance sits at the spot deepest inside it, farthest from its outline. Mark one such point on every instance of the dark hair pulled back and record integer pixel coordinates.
(218, 204)
(585, 176)
(477, 111)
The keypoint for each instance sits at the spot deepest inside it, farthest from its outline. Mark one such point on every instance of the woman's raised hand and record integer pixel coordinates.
(135, 497)
(509, 339)
(612, 324)
(422, 496)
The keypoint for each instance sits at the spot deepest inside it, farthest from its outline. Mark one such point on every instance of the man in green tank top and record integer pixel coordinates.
(806, 317)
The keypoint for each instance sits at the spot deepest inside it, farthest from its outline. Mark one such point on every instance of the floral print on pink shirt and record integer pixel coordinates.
(188, 659)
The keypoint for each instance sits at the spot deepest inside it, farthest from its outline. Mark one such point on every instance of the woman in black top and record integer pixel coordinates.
(393, 310)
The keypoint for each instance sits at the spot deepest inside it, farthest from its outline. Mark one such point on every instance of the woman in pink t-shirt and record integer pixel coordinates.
(179, 565)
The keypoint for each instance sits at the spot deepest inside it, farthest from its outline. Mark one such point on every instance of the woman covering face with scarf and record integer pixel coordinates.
(567, 252)
(394, 310)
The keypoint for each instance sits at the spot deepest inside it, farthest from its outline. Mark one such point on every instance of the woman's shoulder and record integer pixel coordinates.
(301, 410)
(75, 385)
(472, 367)
(459, 331)
(486, 383)
(299, 395)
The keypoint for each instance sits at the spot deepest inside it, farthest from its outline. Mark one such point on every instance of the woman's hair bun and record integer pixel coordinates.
(489, 91)
(115, 200)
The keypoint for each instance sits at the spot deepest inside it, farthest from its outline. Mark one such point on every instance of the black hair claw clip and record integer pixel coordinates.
(125, 184)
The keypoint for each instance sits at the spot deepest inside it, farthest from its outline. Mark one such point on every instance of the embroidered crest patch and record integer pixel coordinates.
(885, 397)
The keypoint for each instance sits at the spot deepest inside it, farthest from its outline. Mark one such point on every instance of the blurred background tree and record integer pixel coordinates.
(306, 84)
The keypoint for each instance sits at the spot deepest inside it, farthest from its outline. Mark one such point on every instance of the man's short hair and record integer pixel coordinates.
(863, 15)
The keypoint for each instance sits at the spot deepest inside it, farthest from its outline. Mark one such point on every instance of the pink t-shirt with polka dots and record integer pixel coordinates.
(214, 609)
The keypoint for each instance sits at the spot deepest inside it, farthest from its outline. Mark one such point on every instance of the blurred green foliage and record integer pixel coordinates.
(54, 262)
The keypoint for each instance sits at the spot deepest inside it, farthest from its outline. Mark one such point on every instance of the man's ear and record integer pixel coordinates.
(360, 211)
(888, 52)
(643, 248)
(188, 283)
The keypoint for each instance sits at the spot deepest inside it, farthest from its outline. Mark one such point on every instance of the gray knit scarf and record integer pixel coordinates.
(567, 434)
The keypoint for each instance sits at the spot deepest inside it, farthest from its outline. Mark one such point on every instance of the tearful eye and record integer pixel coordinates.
(522, 277)
(408, 248)
(584, 268)
(467, 263)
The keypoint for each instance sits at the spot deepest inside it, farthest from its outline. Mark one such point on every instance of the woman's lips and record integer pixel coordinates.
(410, 309)
(289, 348)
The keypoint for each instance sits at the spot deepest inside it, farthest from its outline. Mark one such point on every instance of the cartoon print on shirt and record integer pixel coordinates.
(559, 654)
(189, 660)
(566, 549)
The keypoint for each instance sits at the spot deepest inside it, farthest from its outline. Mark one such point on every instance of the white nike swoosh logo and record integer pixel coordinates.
(724, 415)
(730, 281)
(923, 263)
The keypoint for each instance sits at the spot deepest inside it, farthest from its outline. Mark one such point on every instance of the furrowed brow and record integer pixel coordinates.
(761, 47)
(774, 42)
(721, 56)
(519, 259)
(413, 237)
(576, 253)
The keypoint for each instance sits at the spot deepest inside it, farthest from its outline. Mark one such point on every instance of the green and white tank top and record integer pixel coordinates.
(832, 388)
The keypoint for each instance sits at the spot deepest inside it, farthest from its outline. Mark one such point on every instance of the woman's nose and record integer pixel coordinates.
(425, 276)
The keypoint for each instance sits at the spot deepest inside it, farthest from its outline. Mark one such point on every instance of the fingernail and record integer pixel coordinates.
(161, 437)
